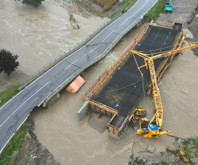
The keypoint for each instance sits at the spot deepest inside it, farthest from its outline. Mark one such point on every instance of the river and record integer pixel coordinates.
(40, 35)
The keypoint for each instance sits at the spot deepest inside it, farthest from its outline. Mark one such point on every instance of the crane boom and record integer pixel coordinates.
(190, 45)
(153, 130)
(158, 117)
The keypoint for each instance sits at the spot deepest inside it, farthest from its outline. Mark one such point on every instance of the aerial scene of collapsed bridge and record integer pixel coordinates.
(135, 74)
(109, 110)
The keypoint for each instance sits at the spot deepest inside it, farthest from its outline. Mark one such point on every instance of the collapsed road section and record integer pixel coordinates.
(41, 90)
(118, 92)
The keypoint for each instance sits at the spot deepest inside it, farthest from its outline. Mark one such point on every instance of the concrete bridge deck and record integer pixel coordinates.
(15, 112)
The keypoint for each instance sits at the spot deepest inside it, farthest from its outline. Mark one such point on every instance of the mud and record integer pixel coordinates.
(46, 33)
(97, 9)
(179, 94)
(43, 33)
(83, 142)
(183, 10)
(32, 151)
(73, 7)
(87, 142)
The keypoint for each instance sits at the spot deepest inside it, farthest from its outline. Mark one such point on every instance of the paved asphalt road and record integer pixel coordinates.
(16, 111)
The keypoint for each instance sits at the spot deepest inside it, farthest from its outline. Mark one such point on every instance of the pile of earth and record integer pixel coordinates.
(184, 152)
(32, 151)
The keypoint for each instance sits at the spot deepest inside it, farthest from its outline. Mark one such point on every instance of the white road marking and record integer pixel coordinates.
(68, 57)
(89, 52)
(133, 14)
(10, 100)
(23, 104)
(13, 135)
(51, 69)
(22, 123)
(71, 63)
(7, 142)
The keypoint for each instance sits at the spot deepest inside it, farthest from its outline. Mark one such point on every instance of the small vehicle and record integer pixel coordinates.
(169, 6)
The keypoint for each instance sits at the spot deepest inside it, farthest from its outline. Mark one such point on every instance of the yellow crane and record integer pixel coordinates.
(154, 130)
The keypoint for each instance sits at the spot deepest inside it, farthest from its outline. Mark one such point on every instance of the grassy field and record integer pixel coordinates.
(15, 143)
(8, 94)
(157, 10)
(152, 14)
(124, 6)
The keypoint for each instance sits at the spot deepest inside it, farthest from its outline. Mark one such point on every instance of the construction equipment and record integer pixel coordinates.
(183, 156)
(138, 115)
(118, 90)
(155, 125)
(118, 123)
(169, 6)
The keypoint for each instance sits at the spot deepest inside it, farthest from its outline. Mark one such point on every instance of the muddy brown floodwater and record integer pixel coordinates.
(83, 142)
(39, 35)
(87, 142)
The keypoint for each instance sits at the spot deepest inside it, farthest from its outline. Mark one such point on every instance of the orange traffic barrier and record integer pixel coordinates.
(75, 85)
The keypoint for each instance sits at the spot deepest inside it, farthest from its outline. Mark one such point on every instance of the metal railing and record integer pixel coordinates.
(88, 64)
(65, 54)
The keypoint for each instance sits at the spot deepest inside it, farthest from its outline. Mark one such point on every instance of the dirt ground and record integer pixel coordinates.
(179, 96)
(32, 151)
(43, 33)
(183, 10)
(178, 90)
(87, 142)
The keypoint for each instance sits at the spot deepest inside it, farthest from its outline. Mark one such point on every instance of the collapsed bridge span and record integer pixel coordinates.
(120, 90)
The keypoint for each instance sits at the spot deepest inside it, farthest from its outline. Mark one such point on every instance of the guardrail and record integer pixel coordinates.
(78, 72)
(88, 64)
(59, 88)
(61, 57)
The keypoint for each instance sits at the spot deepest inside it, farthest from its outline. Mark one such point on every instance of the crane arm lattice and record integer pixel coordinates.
(149, 62)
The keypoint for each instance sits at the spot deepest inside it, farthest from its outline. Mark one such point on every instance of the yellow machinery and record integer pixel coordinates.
(138, 116)
(155, 125)
(116, 129)
(183, 156)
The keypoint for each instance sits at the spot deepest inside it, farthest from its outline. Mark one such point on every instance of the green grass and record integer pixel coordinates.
(8, 94)
(124, 6)
(15, 143)
(152, 14)
(157, 10)
(189, 146)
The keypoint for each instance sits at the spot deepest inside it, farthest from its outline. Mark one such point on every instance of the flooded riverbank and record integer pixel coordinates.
(39, 35)
(83, 142)
(44, 34)
(86, 142)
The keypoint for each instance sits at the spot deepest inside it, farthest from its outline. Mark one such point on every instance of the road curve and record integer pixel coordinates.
(15, 112)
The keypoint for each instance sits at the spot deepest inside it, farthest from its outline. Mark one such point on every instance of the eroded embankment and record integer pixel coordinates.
(42, 33)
